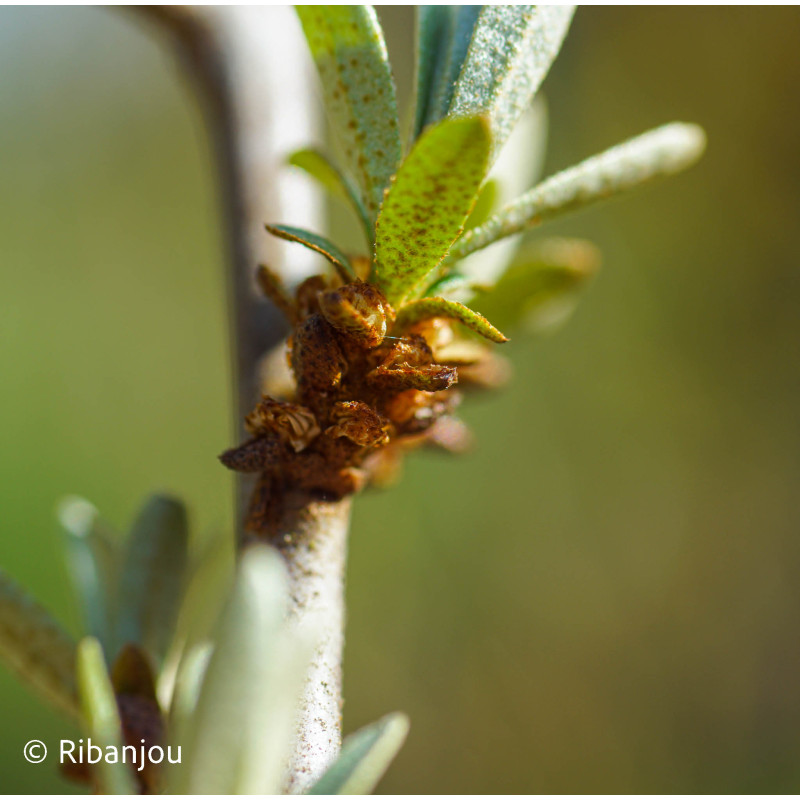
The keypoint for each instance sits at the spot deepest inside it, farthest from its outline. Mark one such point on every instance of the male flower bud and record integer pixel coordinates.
(359, 310)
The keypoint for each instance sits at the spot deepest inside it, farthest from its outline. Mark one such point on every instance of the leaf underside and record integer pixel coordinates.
(431, 45)
(348, 48)
(510, 52)
(428, 204)
(92, 559)
(458, 30)
(34, 645)
(659, 152)
(153, 574)
(319, 244)
(429, 307)
(238, 735)
(365, 757)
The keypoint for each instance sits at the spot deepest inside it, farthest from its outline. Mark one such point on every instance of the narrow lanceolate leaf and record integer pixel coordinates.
(92, 560)
(101, 716)
(459, 28)
(432, 34)
(320, 167)
(365, 757)
(540, 288)
(659, 152)
(237, 739)
(509, 55)
(186, 693)
(319, 244)
(350, 53)
(428, 204)
(153, 576)
(34, 646)
(428, 307)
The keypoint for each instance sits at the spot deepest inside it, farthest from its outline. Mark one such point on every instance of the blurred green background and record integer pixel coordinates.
(605, 595)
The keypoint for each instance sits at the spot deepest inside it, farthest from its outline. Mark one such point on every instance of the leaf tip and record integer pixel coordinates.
(76, 515)
(686, 141)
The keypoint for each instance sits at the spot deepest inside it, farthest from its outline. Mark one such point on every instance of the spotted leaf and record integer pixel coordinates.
(348, 48)
(659, 152)
(428, 203)
(319, 244)
(429, 307)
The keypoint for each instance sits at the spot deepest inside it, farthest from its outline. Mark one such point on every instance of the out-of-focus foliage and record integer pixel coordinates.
(611, 605)
(365, 757)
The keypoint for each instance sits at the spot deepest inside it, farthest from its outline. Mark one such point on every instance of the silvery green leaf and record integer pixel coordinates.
(153, 575)
(432, 34)
(429, 307)
(34, 646)
(458, 30)
(347, 45)
(659, 152)
(540, 289)
(101, 716)
(320, 167)
(511, 51)
(516, 170)
(93, 562)
(428, 203)
(319, 244)
(238, 737)
(365, 757)
(208, 586)
(186, 692)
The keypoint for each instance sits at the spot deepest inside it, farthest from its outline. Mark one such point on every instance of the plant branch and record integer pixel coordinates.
(257, 96)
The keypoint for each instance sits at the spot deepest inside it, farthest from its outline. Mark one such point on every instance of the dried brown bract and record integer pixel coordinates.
(359, 423)
(291, 423)
(359, 310)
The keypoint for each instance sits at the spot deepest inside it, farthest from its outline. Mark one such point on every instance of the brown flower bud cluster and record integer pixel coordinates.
(362, 395)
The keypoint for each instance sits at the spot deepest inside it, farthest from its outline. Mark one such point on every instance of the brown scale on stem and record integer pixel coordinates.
(362, 397)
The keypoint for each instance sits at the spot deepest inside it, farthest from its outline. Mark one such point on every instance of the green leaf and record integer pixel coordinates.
(428, 204)
(319, 244)
(238, 738)
(432, 34)
(207, 589)
(428, 307)
(509, 55)
(188, 683)
(35, 647)
(323, 170)
(659, 152)
(365, 757)
(347, 45)
(541, 287)
(93, 563)
(101, 716)
(484, 204)
(450, 283)
(516, 170)
(458, 31)
(153, 576)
